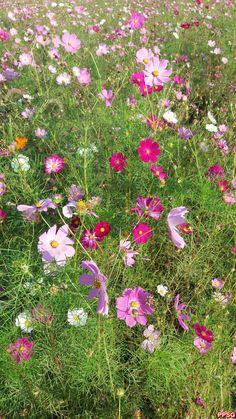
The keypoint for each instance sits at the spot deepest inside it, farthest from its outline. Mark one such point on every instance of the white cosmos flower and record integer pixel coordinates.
(24, 321)
(162, 290)
(170, 116)
(211, 128)
(20, 163)
(77, 317)
(211, 117)
(63, 78)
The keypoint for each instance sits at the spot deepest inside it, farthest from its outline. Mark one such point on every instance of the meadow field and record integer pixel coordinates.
(117, 209)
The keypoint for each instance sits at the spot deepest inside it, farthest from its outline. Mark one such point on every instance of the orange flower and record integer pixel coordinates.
(21, 142)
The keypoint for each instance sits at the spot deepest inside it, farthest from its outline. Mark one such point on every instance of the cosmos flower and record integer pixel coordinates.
(89, 239)
(144, 55)
(162, 290)
(134, 306)
(40, 133)
(56, 245)
(99, 283)
(148, 207)
(24, 321)
(170, 117)
(181, 316)
(79, 207)
(40, 206)
(3, 188)
(26, 59)
(141, 233)
(223, 185)
(53, 164)
(84, 77)
(63, 78)
(102, 229)
(118, 161)
(175, 218)
(75, 193)
(21, 350)
(233, 355)
(156, 73)
(152, 339)
(106, 96)
(202, 345)
(158, 172)
(20, 163)
(229, 198)
(3, 215)
(128, 254)
(203, 332)
(184, 133)
(148, 150)
(70, 42)
(136, 20)
(102, 50)
(77, 317)
(4, 35)
(217, 283)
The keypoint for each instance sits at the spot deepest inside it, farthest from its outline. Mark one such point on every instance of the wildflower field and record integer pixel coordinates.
(117, 209)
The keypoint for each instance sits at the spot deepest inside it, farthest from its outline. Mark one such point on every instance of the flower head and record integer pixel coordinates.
(152, 338)
(70, 42)
(118, 161)
(175, 218)
(56, 245)
(162, 290)
(53, 164)
(148, 150)
(202, 345)
(203, 332)
(148, 207)
(156, 73)
(181, 316)
(136, 20)
(24, 321)
(217, 283)
(77, 317)
(141, 233)
(21, 350)
(102, 229)
(98, 282)
(128, 254)
(134, 306)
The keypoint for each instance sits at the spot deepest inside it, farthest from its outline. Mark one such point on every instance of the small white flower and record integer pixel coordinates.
(211, 128)
(63, 78)
(162, 290)
(24, 321)
(20, 163)
(211, 117)
(52, 69)
(176, 35)
(170, 116)
(211, 43)
(77, 317)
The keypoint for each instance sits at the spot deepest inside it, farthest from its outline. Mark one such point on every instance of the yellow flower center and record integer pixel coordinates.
(97, 283)
(27, 323)
(146, 60)
(21, 348)
(76, 317)
(38, 205)
(203, 345)
(148, 151)
(102, 229)
(140, 232)
(155, 73)
(54, 166)
(134, 304)
(81, 205)
(203, 333)
(54, 244)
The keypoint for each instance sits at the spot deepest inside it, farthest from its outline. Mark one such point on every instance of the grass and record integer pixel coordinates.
(100, 370)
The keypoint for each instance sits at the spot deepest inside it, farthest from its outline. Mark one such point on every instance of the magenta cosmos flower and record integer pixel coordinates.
(21, 350)
(89, 239)
(98, 281)
(118, 161)
(134, 305)
(136, 20)
(155, 72)
(203, 332)
(4, 35)
(53, 164)
(70, 42)
(175, 218)
(141, 233)
(148, 207)
(148, 150)
(56, 245)
(181, 316)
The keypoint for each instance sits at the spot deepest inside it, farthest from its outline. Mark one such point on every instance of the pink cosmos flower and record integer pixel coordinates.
(141, 233)
(181, 316)
(70, 42)
(155, 72)
(186, 228)
(148, 150)
(56, 245)
(229, 198)
(217, 283)
(40, 133)
(203, 332)
(152, 339)
(144, 55)
(148, 207)
(98, 281)
(202, 345)
(2, 188)
(223, 185)
(106, 96)
(84, 77)
(40, 206)
(159, 172)
(136, 20)
(53, 164)
(102, 50)
(75, 193)
(144, 89)
(25, 59)
(3, 215)
(233, 356)
(175, 218)
(118, 161)
(128, 254)
(134, 306)
(137, 78)
(21, 350)
(214, 172)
